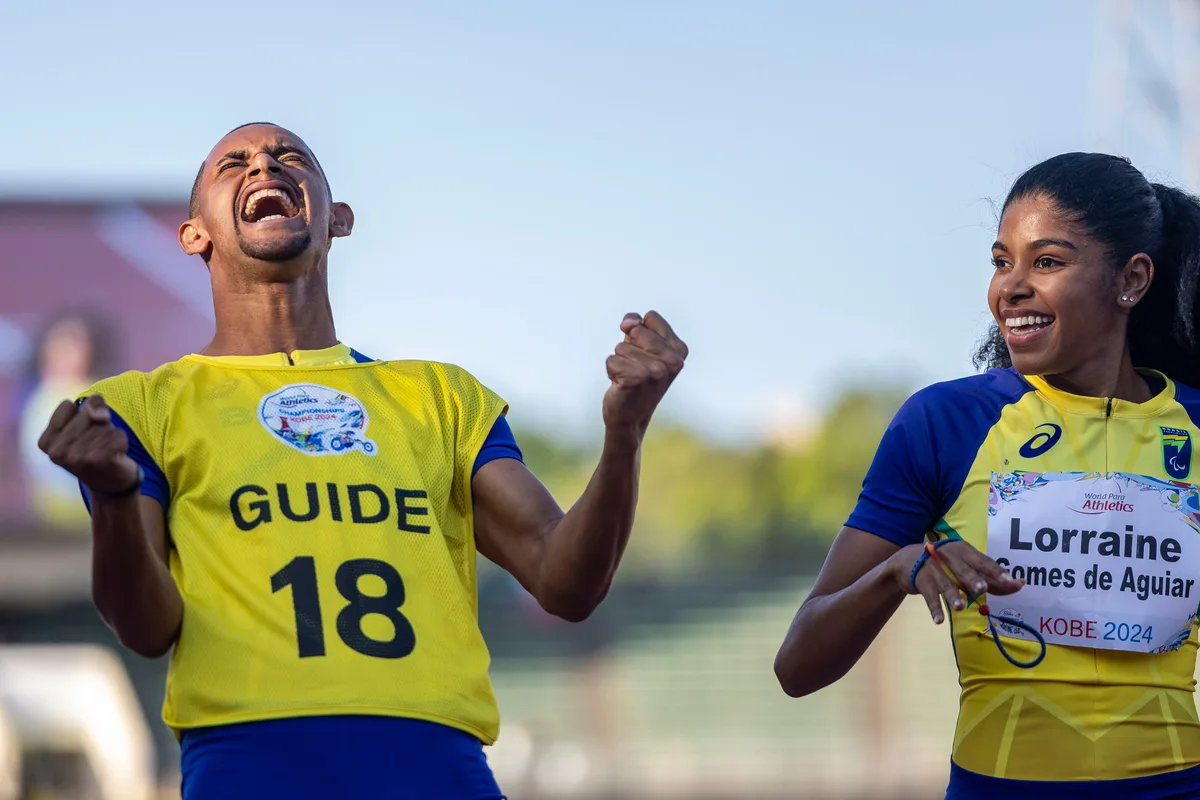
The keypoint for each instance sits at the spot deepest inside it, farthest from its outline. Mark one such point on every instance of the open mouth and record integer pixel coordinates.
(1027, 325)
(273, 203)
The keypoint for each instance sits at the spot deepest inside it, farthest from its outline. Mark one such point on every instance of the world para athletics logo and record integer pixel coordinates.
(316, 420)
(1177, 452)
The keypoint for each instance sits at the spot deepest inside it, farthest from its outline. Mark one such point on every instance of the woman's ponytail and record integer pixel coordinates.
(1163, 327)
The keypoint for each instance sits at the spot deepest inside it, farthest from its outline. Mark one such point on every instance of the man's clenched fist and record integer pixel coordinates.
(641, 368)
(83, 441)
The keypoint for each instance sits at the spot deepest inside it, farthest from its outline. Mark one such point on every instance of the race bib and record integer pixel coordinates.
(1110, 561)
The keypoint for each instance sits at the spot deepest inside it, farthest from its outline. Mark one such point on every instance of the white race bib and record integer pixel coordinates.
(1110, 561)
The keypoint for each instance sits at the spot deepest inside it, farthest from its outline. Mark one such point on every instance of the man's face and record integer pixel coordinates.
(263, 197)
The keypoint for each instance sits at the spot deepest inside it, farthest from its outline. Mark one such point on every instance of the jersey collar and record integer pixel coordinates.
(1104, 406)
(337, 355)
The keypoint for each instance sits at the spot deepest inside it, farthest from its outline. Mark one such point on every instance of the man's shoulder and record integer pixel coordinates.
(129, 394)
(449, 389)
(129, 381)
(128, 391)
(447, 376)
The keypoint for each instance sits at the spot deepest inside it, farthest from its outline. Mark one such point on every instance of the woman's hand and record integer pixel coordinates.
(973, 569)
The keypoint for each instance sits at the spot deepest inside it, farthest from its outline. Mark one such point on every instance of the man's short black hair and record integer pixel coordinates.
(194, 197)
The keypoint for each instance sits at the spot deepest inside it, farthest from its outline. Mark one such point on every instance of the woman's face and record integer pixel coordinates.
(1056, 295)
(67, 353)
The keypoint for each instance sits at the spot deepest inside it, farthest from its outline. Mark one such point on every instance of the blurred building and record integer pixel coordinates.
(90, 289)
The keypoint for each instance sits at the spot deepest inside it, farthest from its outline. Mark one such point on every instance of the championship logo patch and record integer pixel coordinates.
(316, 420)
(1177, 452)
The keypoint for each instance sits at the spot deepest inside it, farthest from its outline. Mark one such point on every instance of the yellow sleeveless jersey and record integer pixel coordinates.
(1092, 502)
(320, 518)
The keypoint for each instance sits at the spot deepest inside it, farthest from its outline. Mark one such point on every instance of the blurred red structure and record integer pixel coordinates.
(118, 261)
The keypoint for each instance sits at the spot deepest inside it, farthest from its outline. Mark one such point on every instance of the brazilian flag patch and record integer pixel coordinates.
(1177, 452)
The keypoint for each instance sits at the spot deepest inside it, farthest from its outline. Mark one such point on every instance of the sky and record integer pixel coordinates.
(806, 191)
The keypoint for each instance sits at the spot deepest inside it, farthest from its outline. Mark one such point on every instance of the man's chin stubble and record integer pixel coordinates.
(279, 250)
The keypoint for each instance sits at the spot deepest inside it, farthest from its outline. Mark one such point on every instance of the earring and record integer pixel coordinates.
(1124, 298)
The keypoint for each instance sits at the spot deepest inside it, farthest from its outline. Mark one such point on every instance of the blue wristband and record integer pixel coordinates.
(912, 578)
(921, 559)
(141, 478)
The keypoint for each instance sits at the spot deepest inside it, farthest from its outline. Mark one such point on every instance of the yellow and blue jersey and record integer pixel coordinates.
(1091, 501)
(319, 511)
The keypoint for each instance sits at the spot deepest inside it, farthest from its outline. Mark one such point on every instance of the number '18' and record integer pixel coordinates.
(301, 574)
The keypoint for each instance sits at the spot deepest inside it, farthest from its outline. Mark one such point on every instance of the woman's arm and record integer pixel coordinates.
(861, 585)
(854, 596)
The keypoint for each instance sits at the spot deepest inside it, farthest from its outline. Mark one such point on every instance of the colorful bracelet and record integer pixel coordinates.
(931, 551)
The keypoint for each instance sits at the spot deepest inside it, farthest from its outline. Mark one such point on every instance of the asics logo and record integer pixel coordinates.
(1041, 442)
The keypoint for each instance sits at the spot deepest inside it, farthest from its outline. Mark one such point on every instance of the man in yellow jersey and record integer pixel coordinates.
(300, 522)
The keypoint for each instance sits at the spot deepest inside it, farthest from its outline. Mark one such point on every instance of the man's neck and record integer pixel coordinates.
(280, 317)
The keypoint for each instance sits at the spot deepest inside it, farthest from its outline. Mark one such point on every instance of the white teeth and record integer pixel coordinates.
(253, 199)
(1024, 322)
(272, 216)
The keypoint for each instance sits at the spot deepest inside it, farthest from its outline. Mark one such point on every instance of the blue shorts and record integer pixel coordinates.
(334, 757)
(966, 785)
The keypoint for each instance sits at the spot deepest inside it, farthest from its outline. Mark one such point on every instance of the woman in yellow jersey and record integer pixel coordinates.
(1050, 503)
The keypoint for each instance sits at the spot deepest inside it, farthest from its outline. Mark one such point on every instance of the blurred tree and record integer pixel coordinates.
(758, 507)
(691, 488)
(821, 482)
(550, 459)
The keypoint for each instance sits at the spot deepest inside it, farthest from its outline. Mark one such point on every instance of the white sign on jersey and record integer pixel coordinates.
(1110, 560)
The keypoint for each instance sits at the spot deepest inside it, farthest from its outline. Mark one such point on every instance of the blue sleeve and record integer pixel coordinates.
(899, 500)
(500, 443)
(155, 483)
(927, 451)
(1189, 398)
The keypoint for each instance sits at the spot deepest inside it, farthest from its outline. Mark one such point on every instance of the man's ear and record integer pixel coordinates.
(194, 239)
(341, 220)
